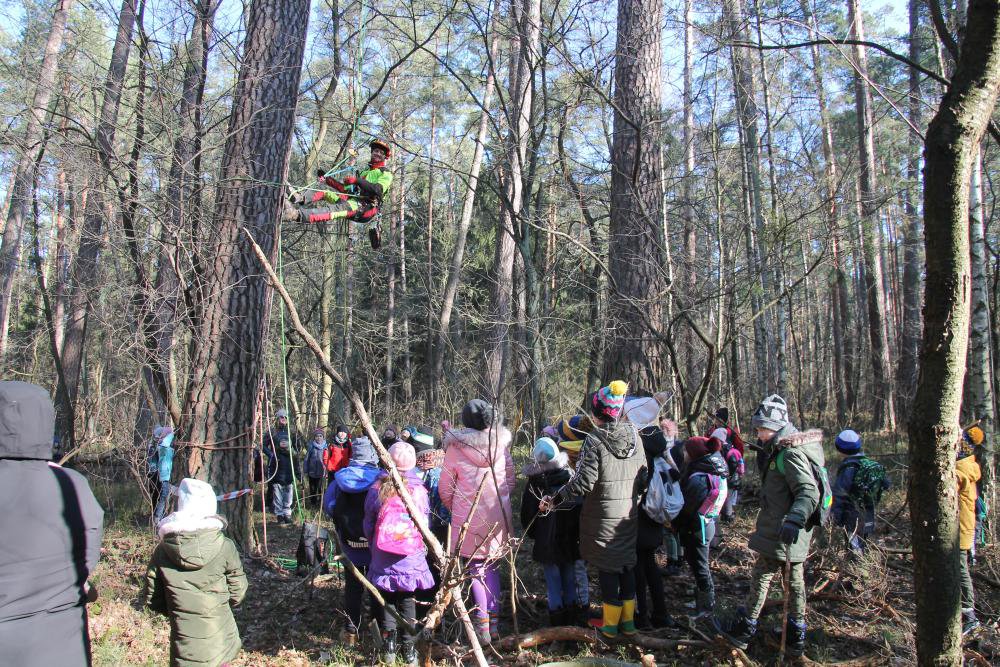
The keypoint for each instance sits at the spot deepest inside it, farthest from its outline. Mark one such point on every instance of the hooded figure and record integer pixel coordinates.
(194, 578)
(50, 538)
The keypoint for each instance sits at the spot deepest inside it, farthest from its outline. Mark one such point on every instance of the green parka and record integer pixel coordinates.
(610, 475)
(194, 578)
(794, 494)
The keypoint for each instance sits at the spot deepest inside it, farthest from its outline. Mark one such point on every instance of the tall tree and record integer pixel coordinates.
(524, 50)
(227, 346)
(636, 259)
(83, 273)
(24, 176)
(950, 150)
(883, 412)
(910, 340)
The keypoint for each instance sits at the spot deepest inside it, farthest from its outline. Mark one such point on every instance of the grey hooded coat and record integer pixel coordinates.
(51, 538)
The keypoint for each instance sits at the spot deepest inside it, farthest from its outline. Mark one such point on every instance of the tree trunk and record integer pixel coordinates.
(746, 103)
(635, 240)
(84, 272)
(687, 194)
(462, 233)
(980, 368)
(950, 151)
(883, 412)
(20, 187)
(227, 355)
(526, 15)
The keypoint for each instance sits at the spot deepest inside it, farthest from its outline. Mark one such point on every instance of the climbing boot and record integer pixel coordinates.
(409, 653)
(627, 625)
(389, 647)
(375, 237)
(607, 625)
(969, 622)
(704, 604)
(738, 630)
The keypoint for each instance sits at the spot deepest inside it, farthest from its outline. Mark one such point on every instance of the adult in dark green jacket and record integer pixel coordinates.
(789, 494)
(610, 475)
(194, 578)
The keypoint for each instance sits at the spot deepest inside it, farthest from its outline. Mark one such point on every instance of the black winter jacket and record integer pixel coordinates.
(654, 443)
(557, 534)
(695, 489)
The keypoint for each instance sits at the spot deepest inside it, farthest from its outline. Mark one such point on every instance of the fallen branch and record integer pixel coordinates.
(562, 633)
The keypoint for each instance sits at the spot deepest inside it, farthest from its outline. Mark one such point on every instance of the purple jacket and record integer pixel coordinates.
(393, 572)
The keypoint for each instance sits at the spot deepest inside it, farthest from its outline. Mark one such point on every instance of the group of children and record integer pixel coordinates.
(602, 489)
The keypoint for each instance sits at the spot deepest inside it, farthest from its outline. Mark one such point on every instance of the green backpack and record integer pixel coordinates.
(820, 515)
(869, 478)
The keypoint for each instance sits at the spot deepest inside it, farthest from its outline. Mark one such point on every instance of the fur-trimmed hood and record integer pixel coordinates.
(809, 442)
(479, 448)
(533, 468)
(191, 542)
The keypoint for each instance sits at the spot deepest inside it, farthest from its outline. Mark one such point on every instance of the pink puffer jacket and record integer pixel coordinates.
(470, 456)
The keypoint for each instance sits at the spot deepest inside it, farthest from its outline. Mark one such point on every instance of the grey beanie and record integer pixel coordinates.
(772, 413)
(362, 451)
(281, 413)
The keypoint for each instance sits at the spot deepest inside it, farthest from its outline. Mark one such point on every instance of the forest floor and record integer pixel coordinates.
(859, 613)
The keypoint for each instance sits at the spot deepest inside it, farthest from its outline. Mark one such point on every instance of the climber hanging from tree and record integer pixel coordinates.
(357, 197)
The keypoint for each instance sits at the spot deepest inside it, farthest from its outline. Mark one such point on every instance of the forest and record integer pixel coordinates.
(714, 201)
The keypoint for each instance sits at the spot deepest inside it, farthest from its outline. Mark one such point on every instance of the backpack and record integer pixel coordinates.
(312, 549)
(869, 478)
(734, 461)
(395, 532)
(718, 489)
(349, 518)
(664, 499)
(820, 515)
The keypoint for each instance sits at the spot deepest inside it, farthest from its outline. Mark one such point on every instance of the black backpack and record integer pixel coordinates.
(349, 518)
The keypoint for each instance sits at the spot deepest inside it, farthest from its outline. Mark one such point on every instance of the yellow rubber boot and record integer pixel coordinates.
(608, 625)
(627, 625)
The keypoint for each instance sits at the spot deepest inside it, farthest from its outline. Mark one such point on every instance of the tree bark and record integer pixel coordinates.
(637, 283)
(227, 351)
(883, 411)
(950, 150)
(20, 188)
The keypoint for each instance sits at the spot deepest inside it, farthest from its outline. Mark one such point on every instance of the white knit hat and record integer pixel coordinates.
(196, 498)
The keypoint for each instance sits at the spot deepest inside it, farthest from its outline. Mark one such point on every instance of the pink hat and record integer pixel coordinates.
(403, 456)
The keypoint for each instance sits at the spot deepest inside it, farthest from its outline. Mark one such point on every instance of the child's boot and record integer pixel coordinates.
(739, 630)
(389, 647)
(704, 603)
(969, 622)
(795, 637)
(409, 652)
(608, 623)
(627, 625)
(375, 236)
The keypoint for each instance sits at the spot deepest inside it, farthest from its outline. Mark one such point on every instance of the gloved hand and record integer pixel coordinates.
(789, 531)
(297, 198)
(321, 173)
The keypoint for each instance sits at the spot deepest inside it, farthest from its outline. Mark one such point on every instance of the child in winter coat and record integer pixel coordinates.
(736, 468)
(857, 491)
(338, 452)
(702, 478)
(674, 452)
(195, 577)
(344, 502)
(556, 535)
(480, 450)
(967, 474)
(790, 493)
(649, 537)
(399, 564)
(610, 475)
(315, 470)
(429, 462)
